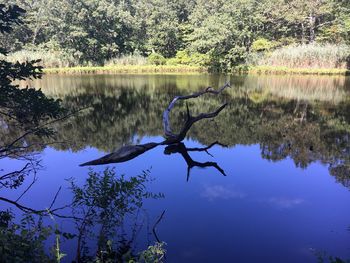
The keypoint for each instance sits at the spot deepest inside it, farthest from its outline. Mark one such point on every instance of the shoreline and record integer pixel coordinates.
(296, 71)
(127, 69)
(184, 69)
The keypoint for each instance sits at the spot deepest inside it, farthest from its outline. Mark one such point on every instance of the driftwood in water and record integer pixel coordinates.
(129, 152)
(123, 154)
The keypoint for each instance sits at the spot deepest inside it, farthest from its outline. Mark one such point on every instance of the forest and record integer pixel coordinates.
(222, 35)
(255, 169)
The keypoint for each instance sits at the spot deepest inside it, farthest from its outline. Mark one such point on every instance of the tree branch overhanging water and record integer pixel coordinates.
(172, 140)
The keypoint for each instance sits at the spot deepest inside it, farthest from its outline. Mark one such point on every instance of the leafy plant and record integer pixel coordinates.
(262, 44)
(104, 202)
(23, 242)
(156, 59)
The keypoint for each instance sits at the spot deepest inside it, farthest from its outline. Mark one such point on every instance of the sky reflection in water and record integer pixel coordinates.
(278, 202)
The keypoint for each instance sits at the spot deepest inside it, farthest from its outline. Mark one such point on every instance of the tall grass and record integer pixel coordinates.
(308, 56)
(49, 59)
(126, 69)
(127, 60)
(290, 70)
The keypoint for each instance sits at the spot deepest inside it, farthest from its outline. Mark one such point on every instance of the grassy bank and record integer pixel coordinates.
(326, 59)
(287, 70)
(127, 69)
(145, 69)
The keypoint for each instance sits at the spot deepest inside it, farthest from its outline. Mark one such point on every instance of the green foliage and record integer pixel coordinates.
(95, 32)
(184, 57)
(10, 15)
(105, 201)
(323, 257)
(108, 193)
(261, 44)
(27, 106)
(156, 59)
(57, 251)
(22, 111)
(153, 254)
(22, 242)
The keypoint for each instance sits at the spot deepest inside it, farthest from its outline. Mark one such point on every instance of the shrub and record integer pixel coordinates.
(262, 44)
(198, 59)
(156, 59)
(236, 56)
(172, 62)
(184, 57)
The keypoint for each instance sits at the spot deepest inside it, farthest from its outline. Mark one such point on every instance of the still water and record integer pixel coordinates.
(286, 156)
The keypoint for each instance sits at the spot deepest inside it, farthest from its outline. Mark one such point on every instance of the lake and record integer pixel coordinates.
(285, 153)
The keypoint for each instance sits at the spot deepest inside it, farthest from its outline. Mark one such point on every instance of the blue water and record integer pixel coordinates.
(262, 211)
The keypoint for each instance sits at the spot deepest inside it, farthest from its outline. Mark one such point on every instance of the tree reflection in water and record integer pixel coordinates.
(308, 123)
(304, 118)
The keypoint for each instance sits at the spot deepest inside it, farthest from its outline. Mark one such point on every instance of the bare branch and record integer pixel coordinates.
(129, 152)
(166, 123)
(27, 189)
(180, 148)
(44, 212)
(54, 199)
(205, 149)
(155, 225)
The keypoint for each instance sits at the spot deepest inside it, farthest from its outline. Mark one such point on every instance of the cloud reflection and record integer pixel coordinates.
(282, 202)
(212, 192)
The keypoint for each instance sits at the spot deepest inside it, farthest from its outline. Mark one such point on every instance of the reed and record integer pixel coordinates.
(127, 69)
(289, 70)
(49, 59)
(312, 56)
(127, 60)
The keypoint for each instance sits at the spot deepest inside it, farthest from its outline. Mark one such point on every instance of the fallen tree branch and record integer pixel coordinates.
(124, 154)
(166, 123)
(188, 124)
(173, 141)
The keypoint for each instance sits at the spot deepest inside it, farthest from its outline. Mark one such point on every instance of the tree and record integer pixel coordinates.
(23, 112)
(225, 29)
(159, 27)
(307, 16)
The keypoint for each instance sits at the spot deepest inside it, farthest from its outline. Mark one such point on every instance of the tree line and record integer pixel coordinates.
(219, 33)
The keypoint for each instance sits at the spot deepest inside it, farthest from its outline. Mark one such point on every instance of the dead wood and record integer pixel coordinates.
(173, 141)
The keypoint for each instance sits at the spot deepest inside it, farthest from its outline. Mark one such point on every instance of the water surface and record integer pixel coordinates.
(286, 194)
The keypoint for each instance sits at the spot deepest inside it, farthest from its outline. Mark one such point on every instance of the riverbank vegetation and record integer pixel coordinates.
(310, 36)
(155, 69)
